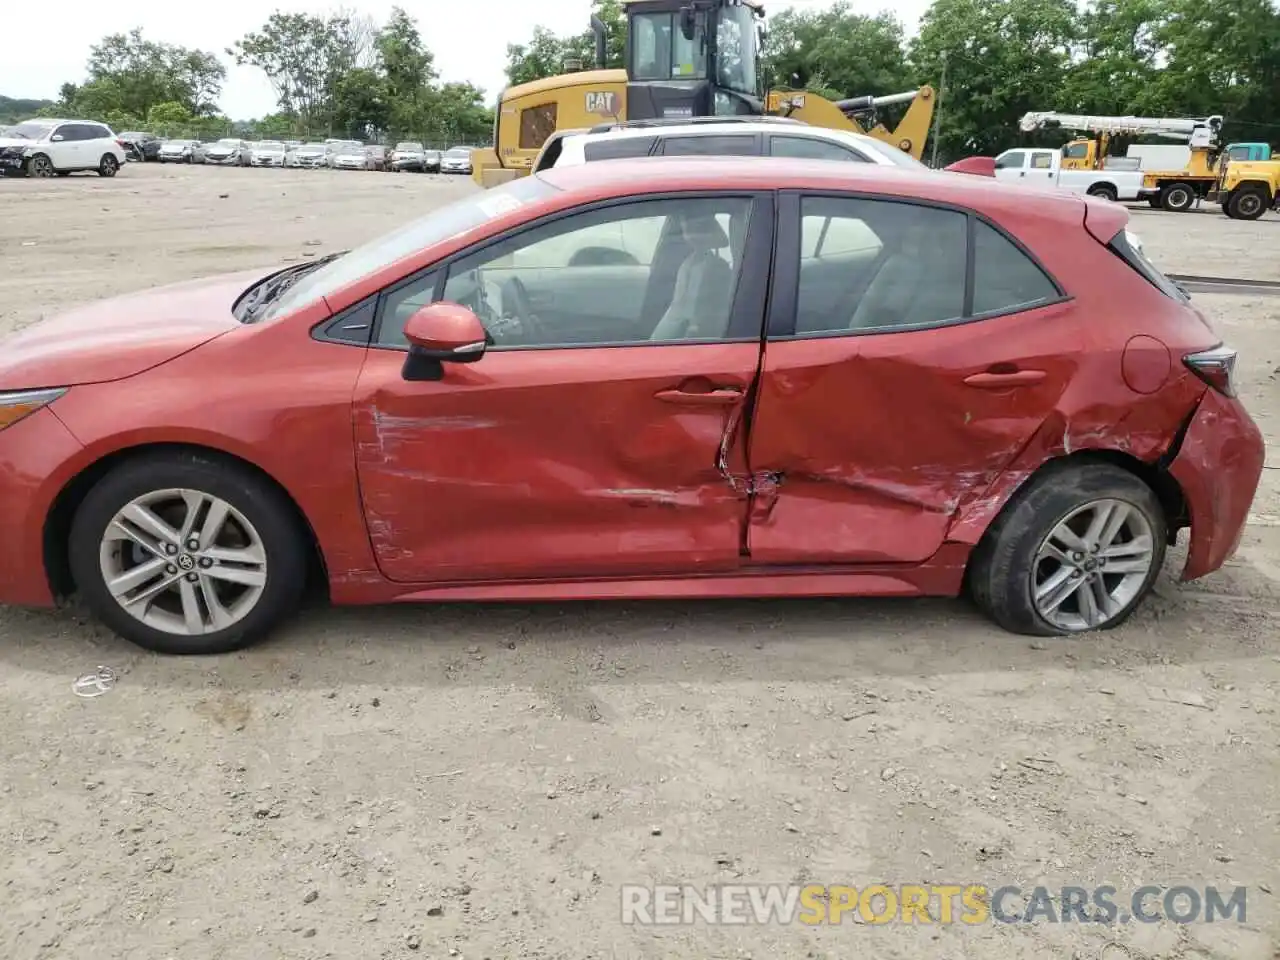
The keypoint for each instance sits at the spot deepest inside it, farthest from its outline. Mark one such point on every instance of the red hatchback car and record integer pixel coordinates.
(644, 378)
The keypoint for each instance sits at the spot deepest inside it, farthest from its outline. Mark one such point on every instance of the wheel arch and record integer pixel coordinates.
(1155, 475)
(57, 526)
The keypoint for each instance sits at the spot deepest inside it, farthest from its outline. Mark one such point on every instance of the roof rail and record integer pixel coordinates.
(686, 121)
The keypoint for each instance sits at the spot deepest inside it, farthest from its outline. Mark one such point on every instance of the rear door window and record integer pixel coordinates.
(712, 145)
(618, 148)
(1005, 278)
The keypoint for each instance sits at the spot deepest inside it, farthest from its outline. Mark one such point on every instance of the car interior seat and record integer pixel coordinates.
(922, 281)
(702, 298)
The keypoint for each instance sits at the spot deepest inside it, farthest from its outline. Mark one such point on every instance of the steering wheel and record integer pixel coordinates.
(534, 329)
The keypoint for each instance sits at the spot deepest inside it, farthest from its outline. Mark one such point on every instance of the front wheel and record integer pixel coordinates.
(40, 166)
(1246, 204)
(108, 166)
(1078, 550)
(187, 554)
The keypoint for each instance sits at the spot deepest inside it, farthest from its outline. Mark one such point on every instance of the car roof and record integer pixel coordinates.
(776, 125)
(648, 175)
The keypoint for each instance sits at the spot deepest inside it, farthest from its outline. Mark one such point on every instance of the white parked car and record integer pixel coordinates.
(46, 148)
(268, 153)
(1032, 167)
(718, 136)
(456, 160)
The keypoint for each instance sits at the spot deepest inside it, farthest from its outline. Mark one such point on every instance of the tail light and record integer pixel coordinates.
(121, 144)
(1216, 367)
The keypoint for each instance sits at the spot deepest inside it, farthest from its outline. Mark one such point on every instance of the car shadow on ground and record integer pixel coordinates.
(1225, 617)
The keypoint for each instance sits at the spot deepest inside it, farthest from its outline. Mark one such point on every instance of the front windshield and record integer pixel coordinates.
(316, 146)
(448, 221)
(30, 131)
(228, 143)
(271, 145)
(736, 50)
(458, 152)
(661, 51)
(409, 147)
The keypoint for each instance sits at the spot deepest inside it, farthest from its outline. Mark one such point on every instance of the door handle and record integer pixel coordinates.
(721, 397)
(998, 381)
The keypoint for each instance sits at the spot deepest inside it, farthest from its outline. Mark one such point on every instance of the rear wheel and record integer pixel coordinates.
(1077, 550)
(108, 166)
(1177, 197)
(1246, 203)
(186, 554)
(1104, 191)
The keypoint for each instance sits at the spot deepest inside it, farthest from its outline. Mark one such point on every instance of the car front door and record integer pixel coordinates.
(600, 433)
(66, 147)
(1011, 166)
(901, 376)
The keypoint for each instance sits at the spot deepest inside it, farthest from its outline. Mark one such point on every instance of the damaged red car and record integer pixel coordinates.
(708, 377)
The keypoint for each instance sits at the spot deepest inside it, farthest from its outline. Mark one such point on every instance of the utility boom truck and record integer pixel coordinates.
(1176, 190)
(684, 59)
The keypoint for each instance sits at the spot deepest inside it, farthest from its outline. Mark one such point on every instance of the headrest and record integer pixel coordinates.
(703, 230)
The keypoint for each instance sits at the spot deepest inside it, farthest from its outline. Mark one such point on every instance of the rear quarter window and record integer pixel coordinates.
(1005, 278)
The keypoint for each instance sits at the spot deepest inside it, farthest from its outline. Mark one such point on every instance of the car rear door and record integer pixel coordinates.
(574, 448)
(888, 402)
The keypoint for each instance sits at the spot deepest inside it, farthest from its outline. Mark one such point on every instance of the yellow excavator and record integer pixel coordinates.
(684, 58)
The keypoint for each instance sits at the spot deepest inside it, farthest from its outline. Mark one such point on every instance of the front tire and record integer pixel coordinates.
(1077, 550)
(1246, 204)
(185, 553)
(108, 166)
(40, 166)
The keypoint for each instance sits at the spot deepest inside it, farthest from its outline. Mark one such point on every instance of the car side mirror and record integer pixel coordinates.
(442, 333)
(688, 22)
(57, 137)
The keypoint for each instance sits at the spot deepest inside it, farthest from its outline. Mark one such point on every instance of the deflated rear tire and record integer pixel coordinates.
(183, 553)
(1077, 550)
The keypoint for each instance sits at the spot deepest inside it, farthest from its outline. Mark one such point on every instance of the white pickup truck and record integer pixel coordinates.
(1037, 167)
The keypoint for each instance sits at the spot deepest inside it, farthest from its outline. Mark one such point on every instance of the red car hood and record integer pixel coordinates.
(118, 338)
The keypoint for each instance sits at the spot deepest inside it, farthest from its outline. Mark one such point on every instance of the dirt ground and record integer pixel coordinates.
(479, 780)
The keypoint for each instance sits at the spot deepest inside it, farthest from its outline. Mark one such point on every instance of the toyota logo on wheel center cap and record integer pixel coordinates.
(185, 562)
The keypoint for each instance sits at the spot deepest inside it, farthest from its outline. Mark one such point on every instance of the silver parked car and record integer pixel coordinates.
(456, 160)
(379, 156)
(431, 161)
(268, 153)
(408, 156)
(350, 155)
(228, 152)
(182, 151)
(312, 155)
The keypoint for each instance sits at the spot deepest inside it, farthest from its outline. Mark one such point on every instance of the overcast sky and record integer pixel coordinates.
(48, 45)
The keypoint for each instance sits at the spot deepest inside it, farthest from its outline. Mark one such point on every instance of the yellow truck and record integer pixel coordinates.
(1248, 181)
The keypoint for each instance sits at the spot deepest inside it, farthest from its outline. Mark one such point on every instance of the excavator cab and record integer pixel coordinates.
(692, 58)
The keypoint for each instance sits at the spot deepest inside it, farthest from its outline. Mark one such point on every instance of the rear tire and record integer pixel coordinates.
(108, 166)
(1104, 191)
(1177, 197)
(1017, 558)
(259, 519)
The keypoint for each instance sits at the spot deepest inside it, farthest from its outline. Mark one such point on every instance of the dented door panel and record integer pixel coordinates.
(554, 463)
(873, 442)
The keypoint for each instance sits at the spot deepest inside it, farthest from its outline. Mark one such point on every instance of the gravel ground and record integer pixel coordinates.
(479, 780)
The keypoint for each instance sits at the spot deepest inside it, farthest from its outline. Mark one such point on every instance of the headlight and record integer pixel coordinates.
(20, 404)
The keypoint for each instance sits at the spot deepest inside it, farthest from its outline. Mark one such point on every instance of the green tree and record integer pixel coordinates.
(837, 53)
(134, 74)
(409, 71)
(544, 55)
(1003, 58)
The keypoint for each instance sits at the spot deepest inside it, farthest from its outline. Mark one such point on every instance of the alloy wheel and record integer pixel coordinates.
(1092, 566)
(41, 166)
(183, 562)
